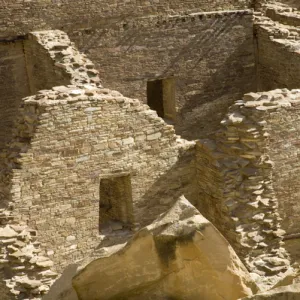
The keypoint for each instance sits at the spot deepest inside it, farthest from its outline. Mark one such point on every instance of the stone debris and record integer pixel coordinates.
(290, 292)
(30, 274)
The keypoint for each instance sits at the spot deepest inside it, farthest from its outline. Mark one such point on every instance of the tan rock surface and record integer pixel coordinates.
(181, 255)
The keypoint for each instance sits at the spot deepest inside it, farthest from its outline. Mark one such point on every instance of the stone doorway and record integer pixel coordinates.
(161, 98)
(116, 209)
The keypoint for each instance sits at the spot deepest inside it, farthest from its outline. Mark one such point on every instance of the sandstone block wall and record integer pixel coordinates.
(77, 137)
(21, 17)
(52, 60)
(25, 267)
(42, 72)
(210, 183)
(13, 85)
(283, 15)
(71, 136)
(210, 56)
(278, 56)
(247, 178)
(263, 5)
(39, 61)
(66, 140)
(284, 151)
(278, 66)
(289, 3)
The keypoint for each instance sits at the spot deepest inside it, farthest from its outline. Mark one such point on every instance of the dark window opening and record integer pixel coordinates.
(116, 211)
(161, 98)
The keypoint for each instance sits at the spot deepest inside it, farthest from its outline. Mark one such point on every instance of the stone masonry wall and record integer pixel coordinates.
(13, 85)
(210, 56)
(65, 140)
(39, 61)
(210, 182)
(284, 126)
(287, 16)
(278, 66)
(52, 60)
(278, 55)
(42, 72)
(263, 5)
(25, 268)
(21, 17)
(286, 3)
(254, 168)
(77, 137)
(25, 265)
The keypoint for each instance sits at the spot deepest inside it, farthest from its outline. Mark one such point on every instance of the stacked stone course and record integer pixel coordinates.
(209, 56)
(73, 132)
(240, 198)
(284, 15)
(23, 258)
(66, 64)
(277, 41)
(80, 133)
(19, 18)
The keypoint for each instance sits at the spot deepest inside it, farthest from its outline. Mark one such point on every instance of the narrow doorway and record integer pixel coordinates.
(116, 201)
(161, 97)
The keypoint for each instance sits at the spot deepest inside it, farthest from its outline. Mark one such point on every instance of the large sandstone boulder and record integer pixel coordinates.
(180, 256)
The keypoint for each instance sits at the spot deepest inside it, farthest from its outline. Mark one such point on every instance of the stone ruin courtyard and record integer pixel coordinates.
(150, 150)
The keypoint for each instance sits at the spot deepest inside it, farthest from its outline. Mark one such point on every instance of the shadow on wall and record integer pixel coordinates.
(177, 181)
(4, 290)
(13, 86)
(212, 58)
(203, 43)
(62, 288)
(206, 109)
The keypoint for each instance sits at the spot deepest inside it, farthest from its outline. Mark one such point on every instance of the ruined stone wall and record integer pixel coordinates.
(284, 151)
(13, 85)
(42, 72)
(210, 56)
(18, 18)
(287, 3)
(210, 183)
(278, 55)
(283, 15)
(263, 5)
(249, 183)
(65, 141)
(52, 60)
(77, 137)
(39, 61)
(25, 265)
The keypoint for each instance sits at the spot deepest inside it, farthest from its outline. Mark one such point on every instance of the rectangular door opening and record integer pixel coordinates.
(116, 209)
(161, 98)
